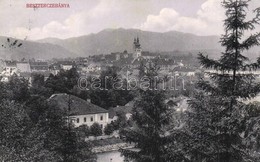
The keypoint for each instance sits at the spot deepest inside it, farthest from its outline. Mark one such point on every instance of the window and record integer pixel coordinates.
(91, 119)
(85, 119)
(77, 120)
(101, 117)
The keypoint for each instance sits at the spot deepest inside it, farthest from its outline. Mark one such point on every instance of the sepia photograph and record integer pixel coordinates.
(129, 81)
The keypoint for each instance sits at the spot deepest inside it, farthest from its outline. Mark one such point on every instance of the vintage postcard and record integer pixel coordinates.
(129, 80)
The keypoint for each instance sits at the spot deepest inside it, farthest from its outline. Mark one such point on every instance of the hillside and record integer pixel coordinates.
(117, 40)
(31, 49)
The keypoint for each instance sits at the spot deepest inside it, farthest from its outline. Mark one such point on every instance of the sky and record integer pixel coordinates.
(83, 17)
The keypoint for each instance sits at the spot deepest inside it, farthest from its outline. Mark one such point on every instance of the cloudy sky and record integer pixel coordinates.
(201, 17)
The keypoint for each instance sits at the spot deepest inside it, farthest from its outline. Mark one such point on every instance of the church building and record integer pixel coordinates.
(137, 48)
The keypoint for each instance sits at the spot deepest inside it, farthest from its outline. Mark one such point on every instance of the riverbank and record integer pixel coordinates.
(110, 144)
(114, 156)
(114, 147)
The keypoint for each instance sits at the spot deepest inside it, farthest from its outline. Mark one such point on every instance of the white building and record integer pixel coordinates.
(93, 67)
(23, 67)
(81, 112)
(10, 68)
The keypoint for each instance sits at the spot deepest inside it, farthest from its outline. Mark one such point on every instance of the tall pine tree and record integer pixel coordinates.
(151, 118)
(217, 116)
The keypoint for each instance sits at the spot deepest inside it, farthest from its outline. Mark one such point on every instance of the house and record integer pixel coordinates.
(93, 67)
(10, 68)
(67, 65)
(81, 112)
(148, 55)
(183, 71)
(23, 67)
(39, 66)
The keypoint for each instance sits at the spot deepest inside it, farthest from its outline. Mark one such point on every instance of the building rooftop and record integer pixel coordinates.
(10, 63)
(78, 106)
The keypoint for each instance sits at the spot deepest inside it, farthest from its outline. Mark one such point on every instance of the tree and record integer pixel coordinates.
(83, 131)
(96, 129)
(63, 82)
(37, 88)
(18, 89)
(62, 139)
(108, 96)
(217, 117)
(151, 117)
(3, 92)
(20, 140)
(252, 132)
(121, 121)
(109, 129)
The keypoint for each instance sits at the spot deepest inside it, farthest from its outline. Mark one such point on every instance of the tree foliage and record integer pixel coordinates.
(109, 129)
(151, 117)
(108, 95)
(217, 118)
(96, 129)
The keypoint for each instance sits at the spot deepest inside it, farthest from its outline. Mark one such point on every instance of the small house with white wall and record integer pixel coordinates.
(81, 112)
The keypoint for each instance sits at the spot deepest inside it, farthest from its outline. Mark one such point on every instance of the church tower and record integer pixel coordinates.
(137, 48)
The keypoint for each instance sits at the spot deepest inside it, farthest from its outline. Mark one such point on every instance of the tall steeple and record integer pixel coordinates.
(137, 47)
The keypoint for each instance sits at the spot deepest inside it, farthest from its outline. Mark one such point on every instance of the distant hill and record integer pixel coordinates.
(118, 40)
(30, 49)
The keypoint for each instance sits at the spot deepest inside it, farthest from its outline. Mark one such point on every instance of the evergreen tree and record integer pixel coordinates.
(253, 128)
(217, 117)
(151, 117)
